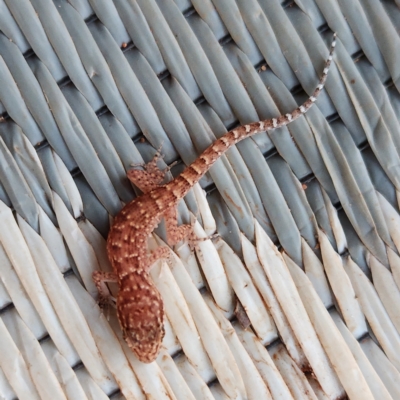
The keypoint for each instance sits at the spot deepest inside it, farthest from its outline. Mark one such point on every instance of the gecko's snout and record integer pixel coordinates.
(145, 350)
(140, 312)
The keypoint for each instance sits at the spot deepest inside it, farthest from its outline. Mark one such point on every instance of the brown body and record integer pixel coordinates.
(139, 305)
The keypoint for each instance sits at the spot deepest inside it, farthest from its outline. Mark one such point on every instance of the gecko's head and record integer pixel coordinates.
(145, 347)
(141, 315)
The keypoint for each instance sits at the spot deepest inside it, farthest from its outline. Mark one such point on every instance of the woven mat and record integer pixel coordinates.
(298, 297)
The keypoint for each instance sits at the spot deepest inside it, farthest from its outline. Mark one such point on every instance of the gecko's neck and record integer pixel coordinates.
(194, 172)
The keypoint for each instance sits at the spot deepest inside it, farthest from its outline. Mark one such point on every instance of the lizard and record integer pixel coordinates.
(140, 308)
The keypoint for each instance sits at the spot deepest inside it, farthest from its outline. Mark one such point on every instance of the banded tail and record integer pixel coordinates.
(194, 172)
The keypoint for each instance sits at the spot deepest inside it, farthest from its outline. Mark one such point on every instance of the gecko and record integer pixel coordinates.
(140, 308)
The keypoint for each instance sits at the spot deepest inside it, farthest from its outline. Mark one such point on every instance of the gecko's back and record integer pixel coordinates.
(139, 305)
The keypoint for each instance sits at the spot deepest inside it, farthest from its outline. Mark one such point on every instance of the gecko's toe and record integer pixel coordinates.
(105, 301)
(194, 240)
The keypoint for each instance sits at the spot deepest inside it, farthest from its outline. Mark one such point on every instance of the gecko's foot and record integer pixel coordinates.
(107, 301)
(162, 252)
(151, 164)
(166, 170)
(158, 152)
(150, 176)
(194, 240)
(135, 165)
(105, 304)
(192, 237)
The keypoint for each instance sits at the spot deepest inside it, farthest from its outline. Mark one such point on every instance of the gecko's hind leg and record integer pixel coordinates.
(100, 278)
(176, 233)
(151, 177)
(157, 254)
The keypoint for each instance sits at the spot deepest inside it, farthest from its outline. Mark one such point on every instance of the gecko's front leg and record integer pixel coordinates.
(157, 254)
(151, 176)
(100, 278)
(175, 232)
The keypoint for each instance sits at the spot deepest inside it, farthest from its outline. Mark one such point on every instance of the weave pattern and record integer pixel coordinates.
(298, 297)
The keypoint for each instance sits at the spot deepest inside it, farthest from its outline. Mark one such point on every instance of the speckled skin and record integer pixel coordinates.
(139, 304)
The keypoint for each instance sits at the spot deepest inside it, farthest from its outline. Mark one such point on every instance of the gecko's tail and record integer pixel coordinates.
(273, 123)
(193, 173)
(287, 118)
